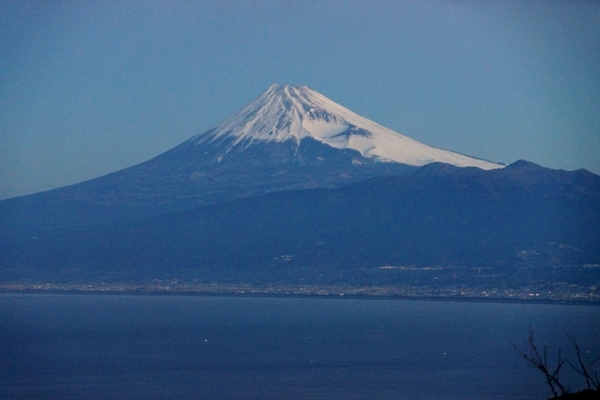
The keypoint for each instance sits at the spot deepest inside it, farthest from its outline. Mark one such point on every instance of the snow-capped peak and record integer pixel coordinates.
(296, 112)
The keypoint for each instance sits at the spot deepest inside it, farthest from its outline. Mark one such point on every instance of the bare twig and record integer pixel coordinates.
(540, 361)
(585, 366)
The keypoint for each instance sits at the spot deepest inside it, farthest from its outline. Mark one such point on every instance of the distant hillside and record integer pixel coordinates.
(500, 220)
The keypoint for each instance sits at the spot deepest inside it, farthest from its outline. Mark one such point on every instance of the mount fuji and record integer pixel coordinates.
(296, 189)
(288, 138)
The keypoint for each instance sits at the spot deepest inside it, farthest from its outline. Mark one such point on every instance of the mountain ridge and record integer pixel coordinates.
(458, 220)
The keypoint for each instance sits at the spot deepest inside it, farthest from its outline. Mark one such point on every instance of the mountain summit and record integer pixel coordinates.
(285, 113)
(288, 138)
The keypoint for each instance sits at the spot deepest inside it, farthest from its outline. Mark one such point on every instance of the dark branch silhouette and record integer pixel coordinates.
(540, 361)
(584, 366)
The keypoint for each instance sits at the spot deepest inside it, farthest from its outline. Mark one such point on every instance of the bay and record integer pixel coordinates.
(210, 347)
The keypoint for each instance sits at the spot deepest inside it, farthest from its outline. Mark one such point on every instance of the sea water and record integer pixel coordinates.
(205, 347)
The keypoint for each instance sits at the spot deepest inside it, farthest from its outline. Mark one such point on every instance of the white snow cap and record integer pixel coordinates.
(295, 112)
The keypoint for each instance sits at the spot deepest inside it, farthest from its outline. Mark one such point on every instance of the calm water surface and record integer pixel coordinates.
(180, 347)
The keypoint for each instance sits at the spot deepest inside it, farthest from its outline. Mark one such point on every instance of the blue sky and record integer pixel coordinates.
(90, 87)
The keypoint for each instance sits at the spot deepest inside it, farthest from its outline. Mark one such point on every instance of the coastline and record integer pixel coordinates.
(323, 292)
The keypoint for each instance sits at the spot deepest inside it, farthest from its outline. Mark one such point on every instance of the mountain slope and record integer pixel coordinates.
(507, 220)
(288, 138)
